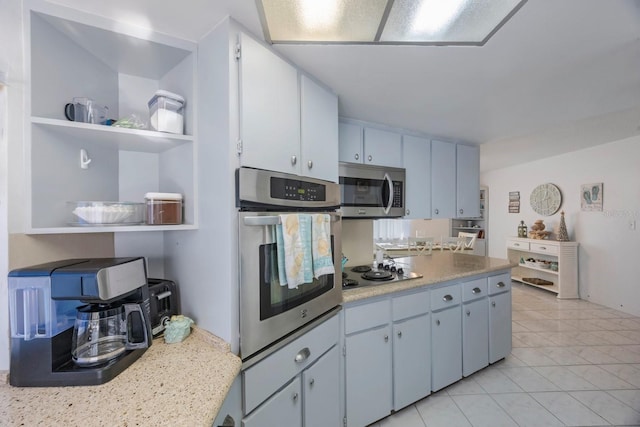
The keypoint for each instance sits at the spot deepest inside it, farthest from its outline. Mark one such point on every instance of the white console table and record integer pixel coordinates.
(565, 280)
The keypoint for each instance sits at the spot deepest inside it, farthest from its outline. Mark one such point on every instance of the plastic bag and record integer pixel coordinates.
(132, 121)
(177, 329)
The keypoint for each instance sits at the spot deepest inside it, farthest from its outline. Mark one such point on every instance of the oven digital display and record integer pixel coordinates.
(292, 189)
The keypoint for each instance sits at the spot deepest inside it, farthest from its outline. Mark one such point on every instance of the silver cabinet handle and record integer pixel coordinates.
(386, 338)
(436, 211)
(302, 355)
(294, 160)
(295, 397)
(516, 244)
(357, 156)
(468, 313)
(461, 211)
(493, 303)
(544, 248)
(312, 381)
(501, 285)
(309, 164)
(447, 298)
(370, 157)
(399, 334)
(476, 291)
(438, 322)
(408, 211)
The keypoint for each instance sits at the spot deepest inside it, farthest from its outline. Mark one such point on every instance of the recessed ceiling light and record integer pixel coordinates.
(426, 22)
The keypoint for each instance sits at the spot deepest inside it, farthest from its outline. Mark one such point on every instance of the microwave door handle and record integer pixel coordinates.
(387, 178)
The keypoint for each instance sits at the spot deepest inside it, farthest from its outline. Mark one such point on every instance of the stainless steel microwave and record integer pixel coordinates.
(369, 191)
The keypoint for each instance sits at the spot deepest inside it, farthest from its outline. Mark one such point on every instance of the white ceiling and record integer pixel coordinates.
(559, 76)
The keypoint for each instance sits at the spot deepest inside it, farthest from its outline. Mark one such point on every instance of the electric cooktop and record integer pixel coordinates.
(386, 272)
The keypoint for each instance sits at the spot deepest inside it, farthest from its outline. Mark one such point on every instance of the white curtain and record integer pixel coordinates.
(390, 229)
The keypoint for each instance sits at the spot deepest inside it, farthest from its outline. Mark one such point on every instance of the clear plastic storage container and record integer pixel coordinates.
(164, 208)
(105, 213)
(166, 112)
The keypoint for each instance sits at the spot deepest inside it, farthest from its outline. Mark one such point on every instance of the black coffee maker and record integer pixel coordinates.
(78, 321)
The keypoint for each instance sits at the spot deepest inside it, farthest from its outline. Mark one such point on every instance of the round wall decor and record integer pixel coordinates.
(546, 199)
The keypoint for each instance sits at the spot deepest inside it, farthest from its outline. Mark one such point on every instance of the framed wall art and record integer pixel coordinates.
(591, 196)
(514, 202)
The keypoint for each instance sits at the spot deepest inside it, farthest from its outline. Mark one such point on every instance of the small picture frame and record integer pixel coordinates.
(591, 197)
(514, 202)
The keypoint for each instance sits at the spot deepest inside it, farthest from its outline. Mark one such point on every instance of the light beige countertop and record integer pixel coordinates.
(182, 384)
(439, 267)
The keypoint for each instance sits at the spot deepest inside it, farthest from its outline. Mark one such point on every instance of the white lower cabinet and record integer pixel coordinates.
(411, 360)
(282, 409)
(297, 385)
(499, 317)
(321, 391)
(475, 326)
(446, 348)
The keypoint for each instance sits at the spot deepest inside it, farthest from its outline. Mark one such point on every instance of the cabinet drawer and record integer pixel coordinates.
(410, 305)
(544, 248)
(499, 283)
(474, 289)
(266, 377)
(366, 316)
(518, 245)
(447, 296)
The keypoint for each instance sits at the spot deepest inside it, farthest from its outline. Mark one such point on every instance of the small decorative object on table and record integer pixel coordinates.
(563, 235)
(522, 229)
(537, 231)
(177, 329)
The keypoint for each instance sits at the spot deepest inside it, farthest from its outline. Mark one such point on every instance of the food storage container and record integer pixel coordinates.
(166, 112)
(95, 213)
(164, 208)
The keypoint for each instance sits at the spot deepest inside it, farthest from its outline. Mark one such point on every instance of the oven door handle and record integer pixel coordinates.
(389, 181)
(275, 219)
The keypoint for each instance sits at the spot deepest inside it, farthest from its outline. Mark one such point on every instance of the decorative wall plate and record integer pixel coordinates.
(546, 199)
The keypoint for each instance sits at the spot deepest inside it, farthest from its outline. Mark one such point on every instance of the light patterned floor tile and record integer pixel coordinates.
(407, 417)
(564, 378)
(630, 398)
(609, 408)
(465, 386)
(441, 411)
(626, 372)
(482, 411)
(600, 378)
(568, 410)
(529, 380)
(526, 411)
(494, 381)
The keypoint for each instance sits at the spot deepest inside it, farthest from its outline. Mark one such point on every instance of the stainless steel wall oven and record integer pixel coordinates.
(269, 310)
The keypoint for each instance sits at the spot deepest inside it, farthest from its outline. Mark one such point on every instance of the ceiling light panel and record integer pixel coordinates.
(329, 21)
(446, 21)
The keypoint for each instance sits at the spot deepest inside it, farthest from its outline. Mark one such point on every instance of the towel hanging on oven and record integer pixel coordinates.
(293, 239)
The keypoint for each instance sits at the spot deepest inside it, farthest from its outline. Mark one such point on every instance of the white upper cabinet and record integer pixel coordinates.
(351, 147)
(416, 154)
(269, 109)
(319, 123)
(289, 123)
(467, 181)
(70, 54)
(382, 148)
(370, 146)
(443, 179)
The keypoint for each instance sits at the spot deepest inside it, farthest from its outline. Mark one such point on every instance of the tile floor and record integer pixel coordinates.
(574, 363)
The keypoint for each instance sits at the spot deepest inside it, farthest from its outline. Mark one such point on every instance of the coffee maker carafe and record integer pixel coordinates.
(77, 322)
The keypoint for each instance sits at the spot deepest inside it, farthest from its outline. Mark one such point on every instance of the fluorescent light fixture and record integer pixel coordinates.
(426, 22)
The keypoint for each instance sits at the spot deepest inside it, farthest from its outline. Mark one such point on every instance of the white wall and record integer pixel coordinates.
(608, 265)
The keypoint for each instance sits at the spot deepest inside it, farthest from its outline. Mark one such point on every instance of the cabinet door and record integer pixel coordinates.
(382, 148)
(269, 109)
(411, 360)
(499, 326)
(368, 376)
(475, 336)
(443, 179)
(319, 131)
(350, 149)
(467, 181)
(321, 383)
(416, 155)
(446, 347)
(282, 409)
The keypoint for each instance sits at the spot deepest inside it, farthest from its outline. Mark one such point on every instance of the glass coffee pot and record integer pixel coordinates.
(104, 332)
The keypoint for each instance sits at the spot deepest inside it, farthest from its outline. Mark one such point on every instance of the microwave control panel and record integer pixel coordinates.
(397, 194)
(291, 189)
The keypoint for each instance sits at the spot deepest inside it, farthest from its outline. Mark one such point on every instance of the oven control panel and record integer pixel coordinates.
(291, 189)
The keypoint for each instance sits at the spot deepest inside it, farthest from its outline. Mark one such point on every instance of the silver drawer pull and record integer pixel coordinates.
(438, 322)
(399, 334)
(468, 312)
(501, 285)
(516, 244)
(544, 248)
(447, 298)
(295, 397)
(386, 338)
(302, 355)
(493, 303)
(476, 291)
(312, 382)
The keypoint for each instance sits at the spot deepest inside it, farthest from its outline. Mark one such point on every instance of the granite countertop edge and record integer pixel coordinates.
(171, 384)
